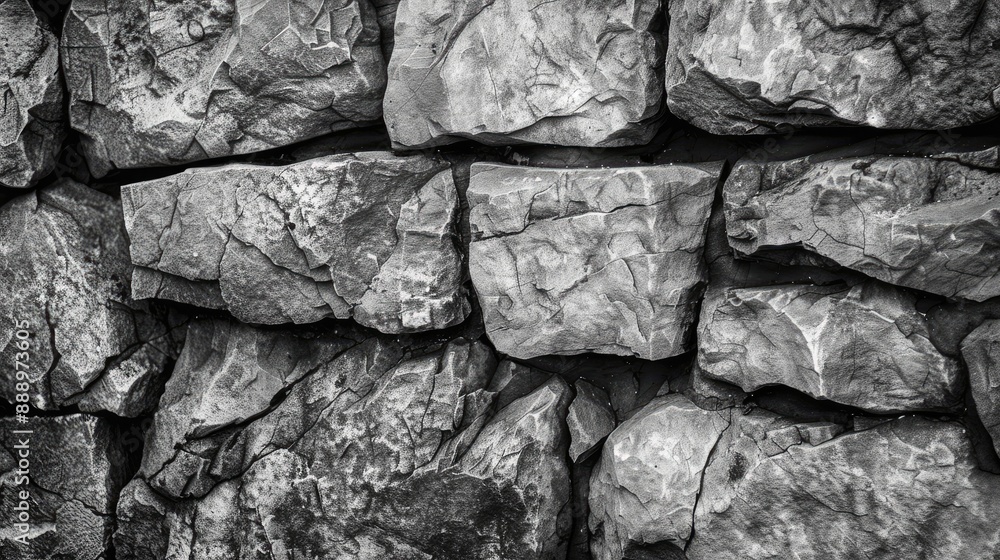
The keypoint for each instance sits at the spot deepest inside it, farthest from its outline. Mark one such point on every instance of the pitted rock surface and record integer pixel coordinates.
(367, 235)
(76, 469)
(66, 314)
(567, 261)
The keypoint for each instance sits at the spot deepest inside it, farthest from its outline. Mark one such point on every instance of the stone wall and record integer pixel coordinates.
(516, 279)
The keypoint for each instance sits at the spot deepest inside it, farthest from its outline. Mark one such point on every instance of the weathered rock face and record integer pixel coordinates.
(906, 485)
(646, 486)
(737, 67)
(572, 73)
(31, 121)
(981, 352)
(76, 470)
(864, 346)
(168, 83)
(365, 235)
(567, 261)
(925, 223)
(346, 447)
(66, 314)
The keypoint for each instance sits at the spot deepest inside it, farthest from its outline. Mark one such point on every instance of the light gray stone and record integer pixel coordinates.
(573, 73)
(924, 223)
(367, 235)
(646, 486)
(174, 82)
(864, 346)
(67, 317)
(736, 67)
(567, 261)
(32, 125)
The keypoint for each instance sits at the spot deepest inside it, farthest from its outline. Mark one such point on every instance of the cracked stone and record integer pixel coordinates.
(168, 83)
(367, 235)
(77, 469)
(348, 447)
(645, 488)
(925, 223)
(736, 67)
(567, 261)
(590, 419)
(66, 316)
(981, 352)
(31, 116)
(864, 346)
(910, 484)
(572, 73)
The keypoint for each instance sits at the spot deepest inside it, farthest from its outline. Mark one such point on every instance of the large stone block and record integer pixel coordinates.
(367, 235)
(908, 487)
(567, 261)
(340, 446)
(172, 82)
(925, 223)
(737, 67)
(864, 346)
(574, 73)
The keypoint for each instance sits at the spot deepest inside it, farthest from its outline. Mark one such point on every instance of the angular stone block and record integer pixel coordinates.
(567, 261)
(32, 125)
(924, 223)
(67, 317)
(908, 487)
(573, 73)
(174, 82)
(646, 486)
(736, 67)
(864, 346)
(367, 235)
(348, 447)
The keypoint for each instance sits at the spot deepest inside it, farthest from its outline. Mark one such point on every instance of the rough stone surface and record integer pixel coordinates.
(174, 82)
(589, 420)
(31, 120)
(646, 486)
(66, 314)
(77, 469)
(925, 223)
(365, 235)
(864, 346)
(341, 446)
(573, 73)
(981, 352)
(736, 67)
(907, 487)
(567, 261)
